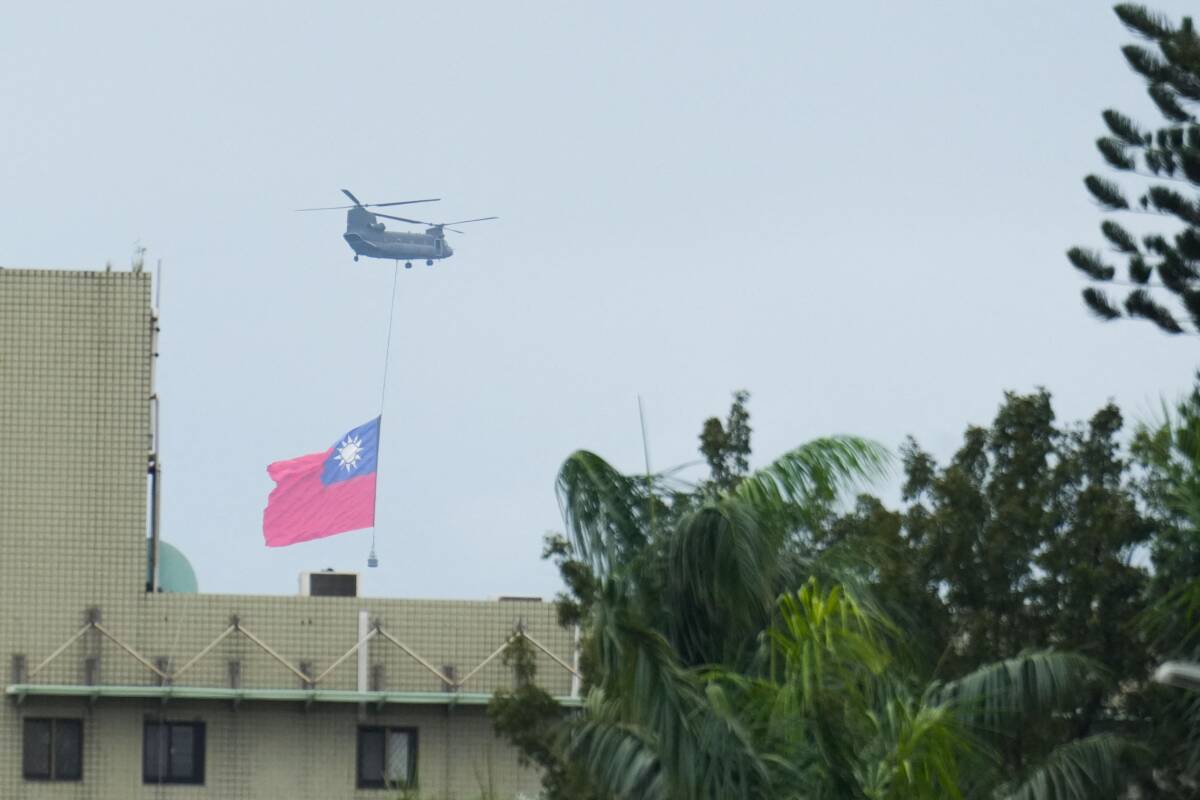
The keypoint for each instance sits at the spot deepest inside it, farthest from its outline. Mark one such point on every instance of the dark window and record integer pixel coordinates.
(387, 758)
(53, 750)
(173, 752)
(324, 584)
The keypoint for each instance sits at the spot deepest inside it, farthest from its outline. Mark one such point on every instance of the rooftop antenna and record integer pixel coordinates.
(139, 257)
(646, 455)
(645, 439)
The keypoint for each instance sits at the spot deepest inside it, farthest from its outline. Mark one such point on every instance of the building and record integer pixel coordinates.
(117, 691)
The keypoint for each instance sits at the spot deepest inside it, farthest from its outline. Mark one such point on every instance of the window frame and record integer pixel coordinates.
(361, 782)
(52, 772)
(199, 746)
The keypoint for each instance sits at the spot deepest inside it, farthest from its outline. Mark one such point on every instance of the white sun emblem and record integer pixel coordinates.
(350, 452)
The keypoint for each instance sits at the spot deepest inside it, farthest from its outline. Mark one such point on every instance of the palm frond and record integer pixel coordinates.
(817, 470)
(702, 751)
(1005, 693)
(1172, 620)
(604, 511)
(719, 585)
(915, 751)
(618, 757)
(1084, 769)
(824, 641)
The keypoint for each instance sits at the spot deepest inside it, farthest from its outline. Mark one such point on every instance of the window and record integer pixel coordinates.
(53, 750)
(173, 752)
(387, 758)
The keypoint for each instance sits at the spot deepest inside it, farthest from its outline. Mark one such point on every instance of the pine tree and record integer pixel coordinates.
(1163, 274)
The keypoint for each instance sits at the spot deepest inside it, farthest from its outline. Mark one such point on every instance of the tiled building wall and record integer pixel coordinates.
(278, 750)
(75, 356)
(74, 437)
(314, 630)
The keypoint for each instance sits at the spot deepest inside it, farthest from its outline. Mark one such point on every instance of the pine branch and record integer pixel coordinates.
(1139, 270)
(1183, 81)
(1156, 176)
(1124, 128)
(1191, 301)
(1105, 192)
(1172, 202)
(1168, 103)
(1122, 239)
(1189, 159)
(1175, 275)
(1169, 139)
(1097, 302)
(1089, 262)
(1156, 244)
(1142, 20)
(1114, 153)
(1139, 304)
(1187, 244)
(1145, 63)
(1161, 161)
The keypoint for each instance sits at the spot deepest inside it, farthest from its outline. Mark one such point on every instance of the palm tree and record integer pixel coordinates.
(731, 659)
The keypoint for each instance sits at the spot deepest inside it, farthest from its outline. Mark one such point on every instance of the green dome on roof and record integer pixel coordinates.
(175, 573)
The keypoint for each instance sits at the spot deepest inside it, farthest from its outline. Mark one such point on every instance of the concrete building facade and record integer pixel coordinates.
(114, 691)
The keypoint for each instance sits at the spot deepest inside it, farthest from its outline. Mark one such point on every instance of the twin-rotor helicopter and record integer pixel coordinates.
(369, 237)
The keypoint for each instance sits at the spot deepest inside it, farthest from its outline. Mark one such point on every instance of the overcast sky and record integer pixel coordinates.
(856, 211)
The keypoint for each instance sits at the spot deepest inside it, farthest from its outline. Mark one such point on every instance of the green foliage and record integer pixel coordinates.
(1139, 303)
(1099, 304)
(740, 651)
(1170, 65)
(1120, 238)
(1080, 770)
(1089, 262)
(1114, 152)
(529, 718)
(1036, 535)
(1106, 193)
(1028, 542)
(1021, 688)
(755, 641)
(726, 448)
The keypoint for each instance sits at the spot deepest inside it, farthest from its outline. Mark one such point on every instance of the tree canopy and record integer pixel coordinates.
(1160, 165)
(739, 645)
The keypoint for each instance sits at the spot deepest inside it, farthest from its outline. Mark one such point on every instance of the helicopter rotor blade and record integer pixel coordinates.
(405, 219)
(371, 205)
(465, 221)
(353, 199)
(438, 225)
(402, 202)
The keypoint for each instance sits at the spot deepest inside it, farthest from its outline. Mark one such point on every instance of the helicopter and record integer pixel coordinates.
(369, 237)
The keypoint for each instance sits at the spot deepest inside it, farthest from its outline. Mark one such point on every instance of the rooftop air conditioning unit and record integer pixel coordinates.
(329, 584)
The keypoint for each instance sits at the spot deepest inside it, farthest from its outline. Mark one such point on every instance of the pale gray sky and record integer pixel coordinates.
(857, 211)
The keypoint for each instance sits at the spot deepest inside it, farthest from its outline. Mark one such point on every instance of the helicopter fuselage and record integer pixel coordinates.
(398, 246)
(369, 237)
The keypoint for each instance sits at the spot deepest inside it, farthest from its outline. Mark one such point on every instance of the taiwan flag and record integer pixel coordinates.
(324, 493)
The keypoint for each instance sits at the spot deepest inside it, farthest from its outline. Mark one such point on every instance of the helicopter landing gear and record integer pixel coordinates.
(429, 262)
(408, 265)
(356, 256)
